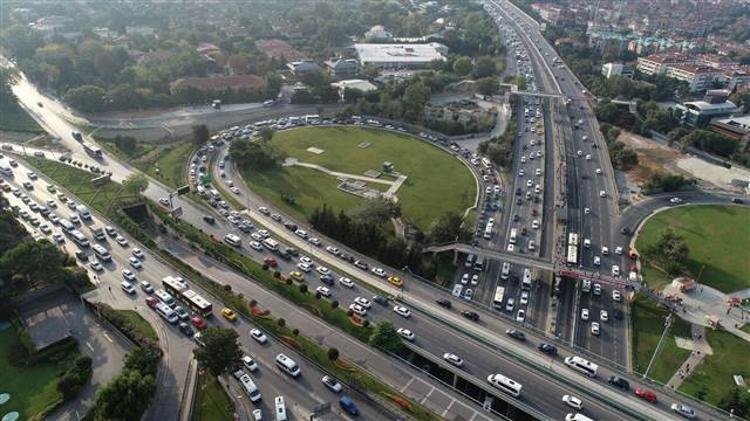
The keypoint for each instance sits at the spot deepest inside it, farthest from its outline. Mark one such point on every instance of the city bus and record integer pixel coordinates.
(197, 303)
(497, 301)
(572, 255)
(93, 151)
(505, 384)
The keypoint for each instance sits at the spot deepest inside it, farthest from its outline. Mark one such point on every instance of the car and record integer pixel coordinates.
(683, 410)
(619, 382)
(255, 245)
(229, 314)
(46, 229)
(346, 282)
(573, 402)
(360, 264)
(315, 241)
(402, 311)
(270, 262)
(605, 250)
(618, 250)
(275, 216)
(364, 302)
(396, 281)
(443, 302)
(209, 219)
(406, 334)
(510, 304)
(358, 309)
(96, 266)
(615, 270)
(675, 200)
(603, 315)
(249, 362)
(377, 271)
(465, 279)
(128, 275)
(257, 414)
(602, 193)
(625, 231)
(323, 270)
(181, 313)
(138, 253)
(646, 394)
(198, 322)
(598, 170)
(584, 314)
(383, 301)
(332, 384)
(521, 315)
(164, 201)
(152, 301)
(147, 287)
(121, 240)
(58, 238)
(453, 359)
(135, 263)
(515, 334)
(548, 349)
(75, 219)
(471, 315)
(586, 211)
(616, 295)
(127, 287)
(597, 261)
(595, 328)
(579, 153)
(474, 279)
(327, 279)
(333, 250)
(597, 289)
(185, 328)
(737, 200)
(588, 157)
(323, 291)
(259, 336)
(297, 276)
(264, 210)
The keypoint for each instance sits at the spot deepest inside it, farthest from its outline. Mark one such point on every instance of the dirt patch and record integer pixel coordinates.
(652, 157)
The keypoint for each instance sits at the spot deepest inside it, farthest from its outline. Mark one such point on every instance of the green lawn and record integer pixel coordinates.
(648, 326)
(18, 121)
(140, 324)
(211, 401)
(171, 163)
(32, 389)
(714, 375)
(718, 237)
(437, 182)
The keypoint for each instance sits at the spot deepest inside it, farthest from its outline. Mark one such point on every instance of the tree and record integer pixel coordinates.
(385, 337)
(488, 86)
(333, 354)
(135, 183)
(200, 134)
(221, 350)
(254, 155)
(126, 398)
(144, 359)
(415, 97)
(266, 133)
(670, 247)
(448, 228)
(126, 144)
(484, 67)
(462, 66)
(23, 262)
(87, 98)
(676, 135)
(736, 400)
(238, 64)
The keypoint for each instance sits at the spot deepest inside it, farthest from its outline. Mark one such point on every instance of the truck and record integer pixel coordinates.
(83, 212)
(98, 232)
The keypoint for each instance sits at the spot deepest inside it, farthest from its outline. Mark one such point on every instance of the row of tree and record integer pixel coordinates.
(500, 149)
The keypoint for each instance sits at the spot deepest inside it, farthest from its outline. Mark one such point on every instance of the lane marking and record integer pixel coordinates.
(406, 386)
(448, 408)
(432, 389)
(108, 338)
(89, 346)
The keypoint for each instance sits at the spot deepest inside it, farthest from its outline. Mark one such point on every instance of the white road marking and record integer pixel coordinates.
(448, 408)
(89, 346)
(406, 386)
(427, 395)
(108, 338)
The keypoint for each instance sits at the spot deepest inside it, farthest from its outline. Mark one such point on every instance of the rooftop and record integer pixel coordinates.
(404, 53)
(695, 69)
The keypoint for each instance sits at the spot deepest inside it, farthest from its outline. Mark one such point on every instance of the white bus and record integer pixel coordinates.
(165, 298)
(499, 296)
(505, 384)
(505, 274)
(479, 263)
(250, 388)
(232, 239)
(572, 256)
(287, 365)
(197, 303)
(166, 313)
(526, 281)
(513, 235)
(270, 244)
(580, 364)
(79, 238)
(101, 253)
(488, 231)
(280, 408)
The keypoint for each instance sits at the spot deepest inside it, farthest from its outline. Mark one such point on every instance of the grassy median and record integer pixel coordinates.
(211, 400)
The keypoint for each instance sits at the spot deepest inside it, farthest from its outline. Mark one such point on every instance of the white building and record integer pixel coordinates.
(699, 78)
(378, 34)
(658, 63)
(400, 56)
(616, 69)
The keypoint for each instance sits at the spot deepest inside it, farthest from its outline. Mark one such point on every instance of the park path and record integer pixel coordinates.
(701, 348)
(293, 161)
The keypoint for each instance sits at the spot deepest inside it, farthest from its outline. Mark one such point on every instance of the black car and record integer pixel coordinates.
(186, 329)
(516, 334)
(548, 349)
(470, 315)
(737, 200)
(291, 226)
(209, 219)
(284, 255)
(82, 256)
(518, 191)
(383, 301)
(516, 218)
(443, 302)
(326, 279)
(519, 201)
(619, 382)
(625, 231)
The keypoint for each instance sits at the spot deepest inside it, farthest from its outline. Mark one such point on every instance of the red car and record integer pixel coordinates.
(152, 301)
(199, 323)
(270, 261)
(645, 394)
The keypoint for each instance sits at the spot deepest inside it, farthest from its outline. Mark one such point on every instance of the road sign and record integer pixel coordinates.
(177, 212)
(183, 190)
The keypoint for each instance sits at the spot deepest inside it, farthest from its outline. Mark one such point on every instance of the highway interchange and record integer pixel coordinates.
(483, 345)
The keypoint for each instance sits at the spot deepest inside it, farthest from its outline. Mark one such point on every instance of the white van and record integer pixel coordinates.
(250, 388)
(165, 298)
(577, 417)
(287, 365)
(280, 408)
(166, 313)
(232, 239)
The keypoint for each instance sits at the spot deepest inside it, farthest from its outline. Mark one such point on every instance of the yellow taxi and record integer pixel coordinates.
(396, 281)
(297, 276)
(229, 314)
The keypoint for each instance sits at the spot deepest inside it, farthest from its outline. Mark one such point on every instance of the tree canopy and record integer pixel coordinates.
(221, 349)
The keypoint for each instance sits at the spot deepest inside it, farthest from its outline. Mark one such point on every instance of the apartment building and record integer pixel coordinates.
(699, 78)
(658, 63)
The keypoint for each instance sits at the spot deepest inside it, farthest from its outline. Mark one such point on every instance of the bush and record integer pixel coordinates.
(303, 288)
(281, 322)
(333, 354)
(69, 385)
(334, 304)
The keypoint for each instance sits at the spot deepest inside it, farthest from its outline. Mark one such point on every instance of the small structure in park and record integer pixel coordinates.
(387, 167)
(684, 284)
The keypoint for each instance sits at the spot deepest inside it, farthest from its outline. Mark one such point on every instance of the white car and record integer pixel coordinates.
(521, 315)
(683, 410)
(235, 190)
(605, 250)
(529, 183)
(535, 224)
(406, 334)
(332, 384)
(573, 402)
(378, 272)
(618, 250)
(51, 204)
(264, 210)
(255, 246)
(579, 153)
(465, 279)
(358, 309)
(524, 298)
(595, 328)
(304, 267)
(255, 236)
(402, 311)
(306, 260)
(249, 363)
(453, 359)
(675, 200)
(597, 289)
(475, 279)
(588, 157)
(58, 238)
(603, 315)
(264, 234)
(584, 314)
(598, 170)
(538, 154)
(315, 241)
(127, 287)
(539, 172)
(602, 193)
(323, 270)
(511, 248)
(616, 296)
(333, 250)
(597, 261)
(121, 240)
(346, 282)
(586, 211)
(586, 243)
(128, 275)
(96, 266)
(138, 253)
(615, 270)
(325, 292)
(134, 262)
(364, 302)
(259, 336)
(521, 172)
(301, 233)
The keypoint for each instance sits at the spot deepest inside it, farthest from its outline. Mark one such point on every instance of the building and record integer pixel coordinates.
(378, 33)
(616, 69)
(700, 113)
(220, 83)
(343, 67)
(658, 63)
(358, 84)
(737, 77)
(714, 60)
(737, 128)
(699, 78)
(400, 56)
(303, 67)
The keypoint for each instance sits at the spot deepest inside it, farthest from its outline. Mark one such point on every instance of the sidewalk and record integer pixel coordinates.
(701, 348)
